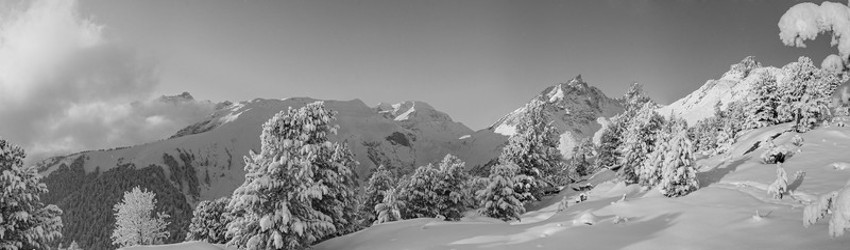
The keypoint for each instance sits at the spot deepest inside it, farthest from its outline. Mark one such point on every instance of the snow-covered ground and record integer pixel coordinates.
(732, 210)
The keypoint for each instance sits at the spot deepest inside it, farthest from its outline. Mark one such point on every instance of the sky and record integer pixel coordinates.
(107, 61)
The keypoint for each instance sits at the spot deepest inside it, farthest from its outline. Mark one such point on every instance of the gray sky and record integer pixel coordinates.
(85, 74)
(460, 56)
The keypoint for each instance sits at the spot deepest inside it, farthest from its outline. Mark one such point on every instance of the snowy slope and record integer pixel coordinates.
(731, 210)
(734, 85)
(574, 108)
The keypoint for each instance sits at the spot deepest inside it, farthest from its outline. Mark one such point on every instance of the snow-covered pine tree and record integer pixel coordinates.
(299, 189)
(798, 73)
(650, 171)
(763, 104)
(418, 193)
(638, 141)
(679, 175)
(451, 187)
(389, 209)
(813, 106)
(731, 121)
(582, 154)
(705, 134)
(607, 153)
(635, 97)
(25, 222)
(337, 176)
(209, 221)
(382, 179)
(437, 191)
(534, 149)
(612, 138)
(779, 187)
(134, 220)
(498, 199)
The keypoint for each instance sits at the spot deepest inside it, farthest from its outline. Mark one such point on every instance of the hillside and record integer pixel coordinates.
(720, 215)
(732, 86)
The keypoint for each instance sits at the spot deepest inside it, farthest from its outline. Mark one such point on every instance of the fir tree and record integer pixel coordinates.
(731, 121)
(581, 161)
(650, 171)
(438, 191)
(610, 141)
(209, 221)
(134, 220)
(764, 104)
(418, 193)
(389, 209)
(636, 98)
(382, 179)
(451, 187)
(499, 199)
(25, 222)
(299, 189)
(799, 73)
(534, 149)
(705, 133)
(814, 104)
(638, 141)
(678, 173)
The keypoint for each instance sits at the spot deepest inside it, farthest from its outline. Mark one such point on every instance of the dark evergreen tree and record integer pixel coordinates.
(382, 179)
(764, 103)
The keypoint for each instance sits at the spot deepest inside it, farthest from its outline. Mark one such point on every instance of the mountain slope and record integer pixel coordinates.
(731, 210)
(204, 160)
(734, 85)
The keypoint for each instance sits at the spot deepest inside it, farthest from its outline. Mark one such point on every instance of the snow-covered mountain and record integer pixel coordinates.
(574, 108)
(734, 85)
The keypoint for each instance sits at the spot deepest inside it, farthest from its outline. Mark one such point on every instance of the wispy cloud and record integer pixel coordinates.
(65, 87)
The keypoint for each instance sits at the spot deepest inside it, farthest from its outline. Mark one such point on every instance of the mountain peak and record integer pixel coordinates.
(574, 104)
(577, 79)
(734, 85)
(742, 69)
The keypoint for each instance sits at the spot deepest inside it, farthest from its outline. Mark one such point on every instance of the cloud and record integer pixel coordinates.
(65, 87)
(805, 21)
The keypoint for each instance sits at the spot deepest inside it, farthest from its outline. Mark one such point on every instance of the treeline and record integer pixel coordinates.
(87, 201)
